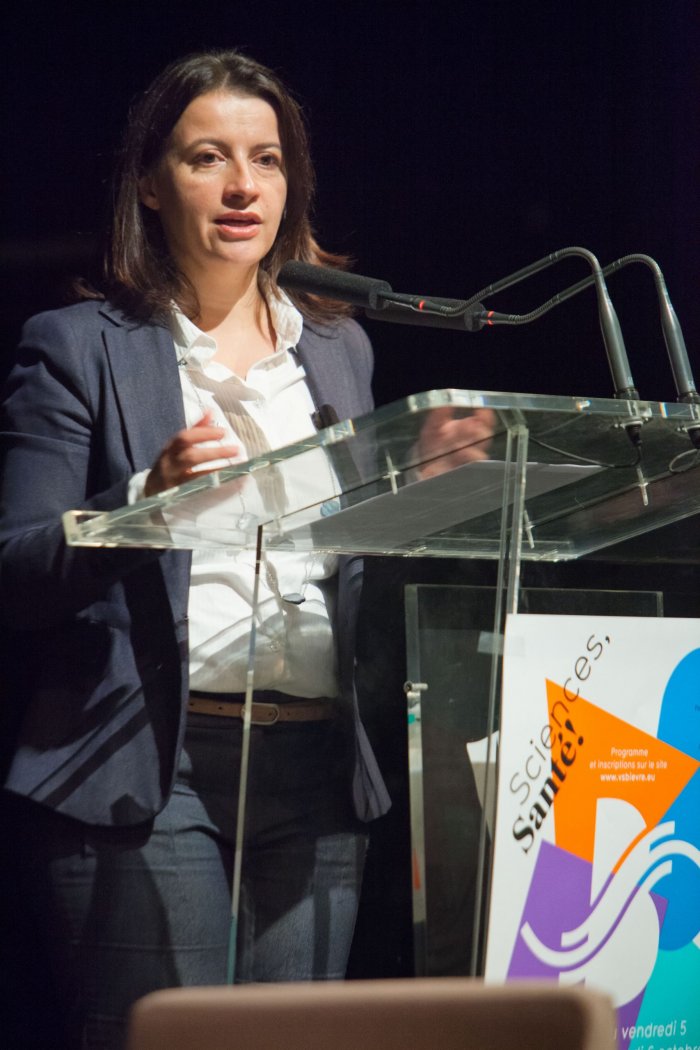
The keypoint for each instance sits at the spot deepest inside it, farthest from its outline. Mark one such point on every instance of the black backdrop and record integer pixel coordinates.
(455, 142)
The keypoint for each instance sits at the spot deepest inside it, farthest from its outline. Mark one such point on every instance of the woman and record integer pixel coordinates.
(128, 666)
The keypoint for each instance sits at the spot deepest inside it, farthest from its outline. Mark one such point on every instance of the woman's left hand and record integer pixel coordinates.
(447, 440)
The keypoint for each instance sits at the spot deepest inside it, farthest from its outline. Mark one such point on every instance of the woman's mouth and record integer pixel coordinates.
(238, 224)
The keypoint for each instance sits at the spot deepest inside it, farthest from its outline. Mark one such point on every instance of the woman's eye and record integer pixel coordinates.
(207, 158)
(269, 160)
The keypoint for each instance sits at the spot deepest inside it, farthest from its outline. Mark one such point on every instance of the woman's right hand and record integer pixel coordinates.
(185, 456)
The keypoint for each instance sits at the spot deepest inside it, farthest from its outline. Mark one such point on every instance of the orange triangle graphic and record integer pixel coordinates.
(591, 749)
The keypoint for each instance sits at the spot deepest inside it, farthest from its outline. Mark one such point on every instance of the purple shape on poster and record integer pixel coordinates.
(628, 1013)
(559, 899)
(627, 1016)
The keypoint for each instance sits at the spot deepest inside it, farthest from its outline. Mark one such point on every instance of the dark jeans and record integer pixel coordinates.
(106, 915)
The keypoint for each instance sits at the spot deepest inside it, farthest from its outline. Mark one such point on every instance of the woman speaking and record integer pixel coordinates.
(128, 667)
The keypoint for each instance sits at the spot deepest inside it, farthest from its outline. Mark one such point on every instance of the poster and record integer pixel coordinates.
(596, 876)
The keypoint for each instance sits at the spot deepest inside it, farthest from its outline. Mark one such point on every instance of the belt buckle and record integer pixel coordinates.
(272, 714)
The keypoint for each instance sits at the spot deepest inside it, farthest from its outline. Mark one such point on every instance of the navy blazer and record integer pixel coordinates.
(100, 660)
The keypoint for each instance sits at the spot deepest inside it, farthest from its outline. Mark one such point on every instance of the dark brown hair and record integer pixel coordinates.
(141, 274)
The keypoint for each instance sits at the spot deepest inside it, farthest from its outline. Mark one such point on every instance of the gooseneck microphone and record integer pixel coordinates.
(378, 299)
(333, 284)
(609, 324)
(684, 381)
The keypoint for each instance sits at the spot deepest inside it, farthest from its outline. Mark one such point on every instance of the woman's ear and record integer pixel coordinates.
(148, 194)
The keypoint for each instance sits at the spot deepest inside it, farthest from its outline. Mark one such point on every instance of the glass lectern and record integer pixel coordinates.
(558, 478)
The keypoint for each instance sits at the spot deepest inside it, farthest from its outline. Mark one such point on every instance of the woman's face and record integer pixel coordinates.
(221, 186)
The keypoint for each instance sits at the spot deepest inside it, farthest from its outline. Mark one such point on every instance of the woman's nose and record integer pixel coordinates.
(240, 181)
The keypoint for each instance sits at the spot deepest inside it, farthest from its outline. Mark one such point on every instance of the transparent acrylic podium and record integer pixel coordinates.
(557, 478)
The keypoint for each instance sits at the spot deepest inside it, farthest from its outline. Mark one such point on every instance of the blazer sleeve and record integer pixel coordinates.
(56, 454)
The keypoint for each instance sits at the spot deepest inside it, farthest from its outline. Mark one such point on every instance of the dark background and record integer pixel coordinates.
(455, 142)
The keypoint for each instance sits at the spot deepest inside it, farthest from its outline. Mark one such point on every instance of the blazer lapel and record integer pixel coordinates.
(147, 386)
(328, 373)
(149, 396)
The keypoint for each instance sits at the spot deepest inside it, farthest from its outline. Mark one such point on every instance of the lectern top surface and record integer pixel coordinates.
(594, 471)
